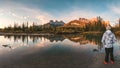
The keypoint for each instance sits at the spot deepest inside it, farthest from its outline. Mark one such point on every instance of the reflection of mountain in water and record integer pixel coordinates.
(55, 38)
(76, 38)
(85, 39)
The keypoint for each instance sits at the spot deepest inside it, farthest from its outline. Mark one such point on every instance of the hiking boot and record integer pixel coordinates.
(105, 62)
(112, 62)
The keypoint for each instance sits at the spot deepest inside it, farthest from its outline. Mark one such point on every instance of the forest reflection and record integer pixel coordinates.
(77, 38)
(82, 39)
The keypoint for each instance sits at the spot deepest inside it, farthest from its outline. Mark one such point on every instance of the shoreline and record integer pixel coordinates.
(30, 34)
(51, 34)
(92, 32)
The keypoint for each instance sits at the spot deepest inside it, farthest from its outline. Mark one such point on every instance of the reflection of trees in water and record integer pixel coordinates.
(35, 38)
(23, 38)
(94, 38)
(118, 37)
(82, 39)
(86, 38)
(26, 38)
(8, 36)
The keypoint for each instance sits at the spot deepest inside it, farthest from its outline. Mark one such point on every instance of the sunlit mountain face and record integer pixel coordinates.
(81, 22)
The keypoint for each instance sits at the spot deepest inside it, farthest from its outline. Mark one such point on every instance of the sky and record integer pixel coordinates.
(41, 11)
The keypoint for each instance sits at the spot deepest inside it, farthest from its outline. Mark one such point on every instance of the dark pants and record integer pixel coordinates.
(109, 51)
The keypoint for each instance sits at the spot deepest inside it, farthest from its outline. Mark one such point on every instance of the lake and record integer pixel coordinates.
(52, 51)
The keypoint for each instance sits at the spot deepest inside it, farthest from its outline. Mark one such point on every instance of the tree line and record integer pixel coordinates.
(98, 25)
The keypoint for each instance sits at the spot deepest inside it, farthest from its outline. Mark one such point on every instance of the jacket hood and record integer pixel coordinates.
(108, 31)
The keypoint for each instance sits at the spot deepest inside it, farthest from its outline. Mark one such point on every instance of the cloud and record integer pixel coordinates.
(23, 14)
(40, 16)
(15, 15)
(16, 12)
(76, 14)
(115, 9)
(114, 12)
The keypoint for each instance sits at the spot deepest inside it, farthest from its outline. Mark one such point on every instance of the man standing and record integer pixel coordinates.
(108, 40)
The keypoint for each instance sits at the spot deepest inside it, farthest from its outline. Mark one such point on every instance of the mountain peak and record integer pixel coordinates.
(81, 22)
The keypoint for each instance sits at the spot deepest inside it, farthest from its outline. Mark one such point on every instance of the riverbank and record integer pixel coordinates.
(51, 34)
(92, 32)
(98, 32)
(30, 34)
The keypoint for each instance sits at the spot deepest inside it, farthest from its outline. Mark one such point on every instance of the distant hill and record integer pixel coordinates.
(52, 23)
(81, 22)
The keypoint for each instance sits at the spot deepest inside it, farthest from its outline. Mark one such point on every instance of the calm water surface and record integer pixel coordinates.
(32, 43)
(18, 47)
